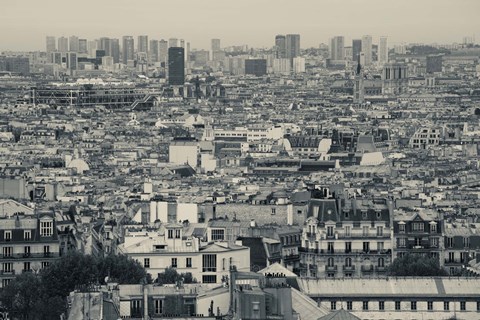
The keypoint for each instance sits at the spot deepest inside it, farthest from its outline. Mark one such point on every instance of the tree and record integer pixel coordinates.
(171, 276)
(22, 296)
(416, 265)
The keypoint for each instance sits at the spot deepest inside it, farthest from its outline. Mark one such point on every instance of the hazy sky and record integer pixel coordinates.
(25, 23)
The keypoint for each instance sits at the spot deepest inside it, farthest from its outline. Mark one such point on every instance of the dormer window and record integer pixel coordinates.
(170, 234)
(27, 235)
(177, 234)
(46, 228)
(433, 227)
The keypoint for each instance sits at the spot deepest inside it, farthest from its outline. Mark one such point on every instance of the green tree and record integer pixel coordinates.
(416, 265)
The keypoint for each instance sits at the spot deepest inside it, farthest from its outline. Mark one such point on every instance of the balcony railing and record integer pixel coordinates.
(331, 268)
(368, 268)
(22, 256)
(291, 257)
(349, 268)
(9, 273)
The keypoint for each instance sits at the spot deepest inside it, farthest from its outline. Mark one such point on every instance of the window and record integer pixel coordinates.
(46, 228)
(330, 262)
(158, 306)
(8, 235)
(209, 263)
(348, 231)
(5, 282)
(365, 231)
(136, 307)
(218, 234)
(381, 305)
(26, 266)
(365, 305)
(333, 305)
(401, 242)
(451, 257)
(348, 262)
(380, 231)
(146, 262)
(463, 305)
(429, 305)
(349, 305)
(466, 242)
(478, 305)
(380, 246)
(348, 247)
(418, 226)
(433, 227)
(401, 227)
(434, 242)
(7, 251)
(329, 231)
(449, 241)
(274, 211)
(381, 262)
(45, 264)
(177, 234)
(330, 247)
(27, 235)
(299, 211)
(188, 263)
(446, 305)
(209, 279)
(170, 234)
(366, 246)
(7, 267)
(174, 262)
(26, 251)
(397, 305)
(413, 305)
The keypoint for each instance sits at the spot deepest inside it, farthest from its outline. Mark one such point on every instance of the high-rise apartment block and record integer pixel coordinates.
(176, 66)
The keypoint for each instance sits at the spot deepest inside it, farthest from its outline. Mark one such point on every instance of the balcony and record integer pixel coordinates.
(367, 269)
(331, 268)
(7, 273)
(311, 235)
(349, 268)
(291, 257)
(29, 256)
(380, 269)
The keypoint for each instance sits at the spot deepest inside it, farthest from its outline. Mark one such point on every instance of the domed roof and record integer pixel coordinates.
(79, 164)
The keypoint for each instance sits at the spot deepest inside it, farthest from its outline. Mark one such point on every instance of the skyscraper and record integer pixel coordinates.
(163, 51)
(115, 50)
(128, 48)
(73, 42)
(51, 45)
(337, 48)
(62, 44)
(153, 53)
(356, 49)
(142, 44)
(173, 42)
(292, 45)
(215, 45)
(82, 46)
(106, 45)
(176, 66)
(280, 46)
(383, 51)
(367, 49)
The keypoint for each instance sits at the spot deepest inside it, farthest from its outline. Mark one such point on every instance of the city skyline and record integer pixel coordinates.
(429, 21)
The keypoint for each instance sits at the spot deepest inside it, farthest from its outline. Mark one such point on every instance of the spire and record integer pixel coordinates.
(359, 66)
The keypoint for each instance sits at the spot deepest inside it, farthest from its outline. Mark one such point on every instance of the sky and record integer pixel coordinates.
(24, 24)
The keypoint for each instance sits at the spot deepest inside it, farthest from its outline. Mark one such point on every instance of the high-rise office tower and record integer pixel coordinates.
(383, 51)
(292, 45)
(63, 44)
(82, 46)
(92, 47)
(367, 49)
(337, 48)
(115, 50)
(280, 46)
(128, 49)
(176, 66)
(173, 42)
(163, 51)
(72, 60)
(106, 45)
(187, 53)
(182, 43)
(73, 43)
(215, 45)
(51, 45)
(142, 44)
(153, 53)
(356, 49)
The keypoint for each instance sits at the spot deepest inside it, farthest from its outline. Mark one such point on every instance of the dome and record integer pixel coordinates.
(79, 164)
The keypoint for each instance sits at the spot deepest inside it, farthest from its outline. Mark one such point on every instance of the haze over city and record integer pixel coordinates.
(25, 23)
